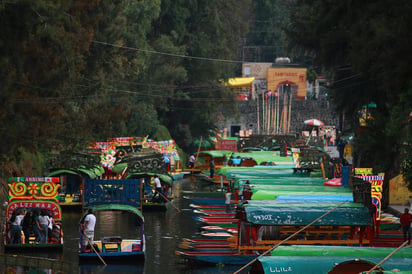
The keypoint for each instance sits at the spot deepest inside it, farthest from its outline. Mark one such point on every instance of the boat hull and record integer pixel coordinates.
(111, 257)
(227, 258)
(33, 246)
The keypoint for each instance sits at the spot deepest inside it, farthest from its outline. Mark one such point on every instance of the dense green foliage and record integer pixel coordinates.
(365, 45)
(79, 71)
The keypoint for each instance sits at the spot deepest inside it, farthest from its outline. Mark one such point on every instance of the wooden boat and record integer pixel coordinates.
(216, 235)
(207, 200)
(266, 223)
(336, 259)
(114, 249)
(216, 228)
(32, 194)
(217, 257)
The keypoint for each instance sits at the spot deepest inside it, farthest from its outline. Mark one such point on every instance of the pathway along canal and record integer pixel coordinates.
(164, 231)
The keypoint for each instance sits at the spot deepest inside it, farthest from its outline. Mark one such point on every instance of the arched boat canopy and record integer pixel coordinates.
(304, 212)
(62, 171)
(117, 207)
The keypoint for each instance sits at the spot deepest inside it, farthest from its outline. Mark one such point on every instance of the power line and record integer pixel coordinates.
(167, 54)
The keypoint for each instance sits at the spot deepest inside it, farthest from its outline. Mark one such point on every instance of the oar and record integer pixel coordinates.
(291, 236)
(168, 201)
(387, 257)
(91, 245)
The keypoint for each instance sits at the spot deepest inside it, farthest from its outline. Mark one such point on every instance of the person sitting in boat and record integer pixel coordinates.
(87, 226)
(55, 234)
(27, 226)
(44, 221)
(51, 224)
(15, 226)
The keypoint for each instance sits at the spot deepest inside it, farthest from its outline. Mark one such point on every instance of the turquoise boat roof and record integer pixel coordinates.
(257, 172)
(299, 188)
(309, 265)
(332, 251)
(299, 213)
(283, 181)
(117, 207)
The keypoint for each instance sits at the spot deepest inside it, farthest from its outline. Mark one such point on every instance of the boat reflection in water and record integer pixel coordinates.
(95, 268)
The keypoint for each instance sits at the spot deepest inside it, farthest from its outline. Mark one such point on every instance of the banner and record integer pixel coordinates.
(295, 77)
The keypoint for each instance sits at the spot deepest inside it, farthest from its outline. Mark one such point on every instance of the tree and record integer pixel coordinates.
(362, 44)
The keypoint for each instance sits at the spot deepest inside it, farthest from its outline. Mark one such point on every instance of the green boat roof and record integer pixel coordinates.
(260, 194)
(117, 207)
(298, 214)
(216, 153)
(166, 178)
(62, 171)
(300, 188)
(260, 172)
(332, 251)
(264, 156)
(311, 265)
(279, 181)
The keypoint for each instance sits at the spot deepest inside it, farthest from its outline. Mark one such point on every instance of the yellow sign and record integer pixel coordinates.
(295, 77)
(398, 191)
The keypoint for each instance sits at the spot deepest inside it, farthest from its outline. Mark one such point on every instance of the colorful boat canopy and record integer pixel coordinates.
(296, 214)
(39, 193)
(101, 192)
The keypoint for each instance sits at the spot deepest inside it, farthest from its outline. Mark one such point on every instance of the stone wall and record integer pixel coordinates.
(301, 110)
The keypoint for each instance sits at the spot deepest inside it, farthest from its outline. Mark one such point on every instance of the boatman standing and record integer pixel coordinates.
(87, 227)
(228, 196)
(192, 160)
(406, 219)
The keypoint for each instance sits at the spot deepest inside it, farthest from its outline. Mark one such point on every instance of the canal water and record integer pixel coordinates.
(164, 231)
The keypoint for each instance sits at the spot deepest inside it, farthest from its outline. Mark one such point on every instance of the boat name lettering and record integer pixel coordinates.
(263, 217)
(280, 269)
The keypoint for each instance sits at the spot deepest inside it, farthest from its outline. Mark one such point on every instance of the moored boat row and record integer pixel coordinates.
(295, 214)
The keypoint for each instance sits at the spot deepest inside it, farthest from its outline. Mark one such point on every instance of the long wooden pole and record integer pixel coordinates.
(164, 197)
(94, 250)
(291, 236)
(387, 257)
(198, 149)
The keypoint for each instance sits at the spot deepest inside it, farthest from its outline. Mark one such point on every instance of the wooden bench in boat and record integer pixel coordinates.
(112, 244)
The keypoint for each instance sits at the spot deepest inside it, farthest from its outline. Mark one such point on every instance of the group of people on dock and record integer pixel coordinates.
(39, 223)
